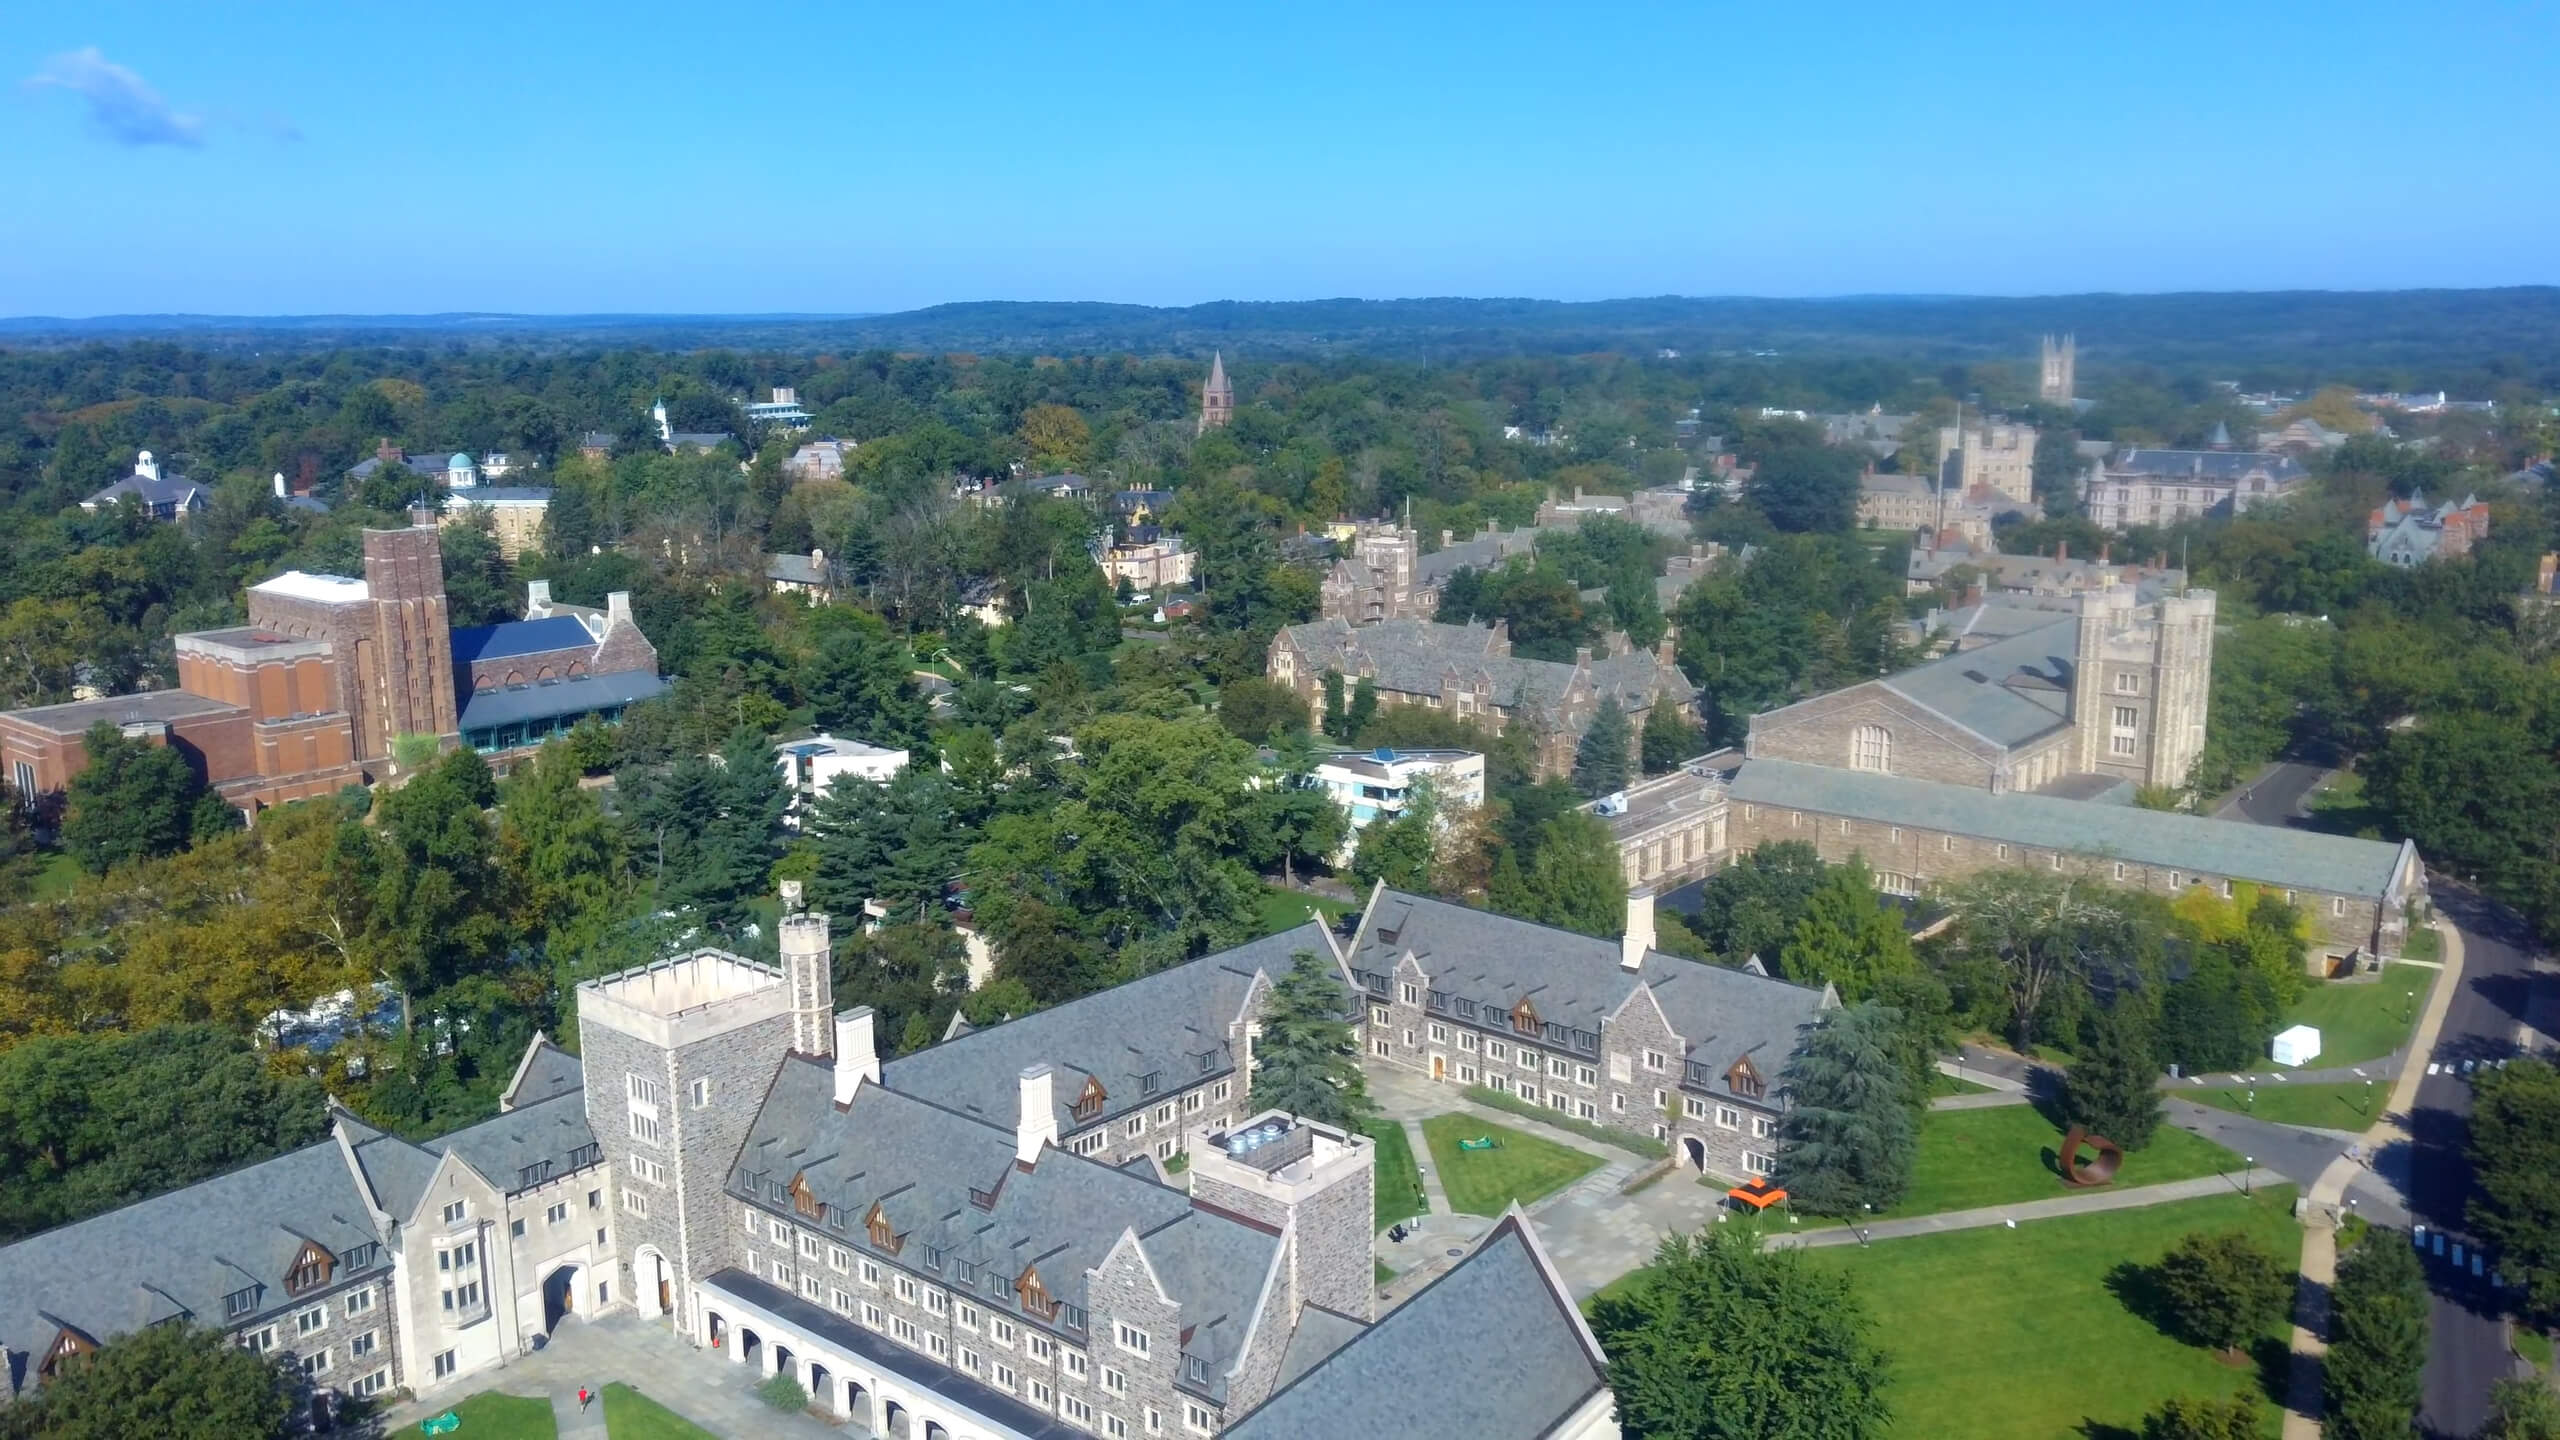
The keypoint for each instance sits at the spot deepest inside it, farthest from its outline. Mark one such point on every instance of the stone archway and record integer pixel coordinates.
(1694, 1150)
(559, 1297)
(898, 1421)
(655, 1279)
(718, 1325)
(857, 1403)
(750, 1347)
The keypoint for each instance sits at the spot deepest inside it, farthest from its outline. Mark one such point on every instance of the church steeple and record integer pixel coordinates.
(1218, 397)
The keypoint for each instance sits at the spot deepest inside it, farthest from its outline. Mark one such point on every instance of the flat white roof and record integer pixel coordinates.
(831, 745)
(327, 589)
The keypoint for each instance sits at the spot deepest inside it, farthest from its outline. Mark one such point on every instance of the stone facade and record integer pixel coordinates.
(2163, 487)
(1989, 458)
(2058, 377)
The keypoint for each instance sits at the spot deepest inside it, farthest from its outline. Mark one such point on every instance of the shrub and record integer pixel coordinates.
(783, 1393)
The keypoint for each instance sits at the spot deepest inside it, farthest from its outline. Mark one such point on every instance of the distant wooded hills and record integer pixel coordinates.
(2429, 337)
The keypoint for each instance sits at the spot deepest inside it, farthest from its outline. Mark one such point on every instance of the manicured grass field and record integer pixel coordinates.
(630, 1415)
(2362, 1020)
(492, 1416)
(1944, 1084)
(1519, 1167)
(2345, 1106)
(1999, 1156)
(1398, 1193)
(1288, 909)
(57, 877)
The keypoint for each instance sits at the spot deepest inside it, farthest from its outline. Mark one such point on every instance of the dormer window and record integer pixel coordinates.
(1744, 1079)
(1524, 1017)
(803, 1199)
(239, 1303)
(68, 1349)
(1089, 1101)
(884, 1236)
(1151, 1082)
(1034, 1295)
(310, 1269)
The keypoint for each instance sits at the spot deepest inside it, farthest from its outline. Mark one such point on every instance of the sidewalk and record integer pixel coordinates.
(2087, 1202)
(636, 1350)
(2319, 1234)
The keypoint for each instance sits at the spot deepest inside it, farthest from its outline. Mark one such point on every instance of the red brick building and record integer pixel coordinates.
(310, 695)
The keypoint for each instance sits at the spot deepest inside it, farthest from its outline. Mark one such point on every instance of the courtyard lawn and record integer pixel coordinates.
(2361, 1020)
(1398, 1194)
(492, 1416)
(2349, 1105)
(1281, 909)
(1519, 1167)
(630, 1415)
(1999, 1156)
(1941, 1083)
(1999, 1334)
(57, 877)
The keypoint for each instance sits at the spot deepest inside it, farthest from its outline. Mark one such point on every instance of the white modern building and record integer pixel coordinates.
(1376, 784)
(810, 766)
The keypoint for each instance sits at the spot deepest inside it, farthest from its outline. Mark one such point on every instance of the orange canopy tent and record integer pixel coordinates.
(1758, 1194)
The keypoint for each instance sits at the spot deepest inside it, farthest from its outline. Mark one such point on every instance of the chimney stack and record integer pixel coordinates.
(422, 516)
(537, 597)
(2104, 551)
(808, 964)
(1038, 1123)
(792, 903)
(617, 607)
(857, 1052)
(1639, 936)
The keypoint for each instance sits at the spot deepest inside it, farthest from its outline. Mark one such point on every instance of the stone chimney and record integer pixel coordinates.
(1639, 936)
(1582, 657)
(1447, 537)
(2061, 551)
(792, 903)
(537, 598)
(1665, 650)
(386, 452)
(617, 608)
(808, 964)
(1037, 1125)
(2104, 550)
(422, 517)
(857, 1052)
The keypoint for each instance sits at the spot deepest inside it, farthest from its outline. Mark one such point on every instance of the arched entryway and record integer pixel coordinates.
(1695, 1150)
(750, 1347)
(559, 1297)
(933, 1431)
(783, 1361)
(719, 1331)
(822, 1387)
(898, 1421)
(657, 1282)
(857, 1404)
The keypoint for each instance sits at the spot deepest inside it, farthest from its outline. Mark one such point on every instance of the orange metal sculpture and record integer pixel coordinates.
(2100, 1169)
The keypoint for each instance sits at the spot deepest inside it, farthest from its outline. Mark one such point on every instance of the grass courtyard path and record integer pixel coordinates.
(2081, 1202)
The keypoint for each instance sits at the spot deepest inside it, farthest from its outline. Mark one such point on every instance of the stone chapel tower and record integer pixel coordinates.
(1218, 397)
(2057, 383)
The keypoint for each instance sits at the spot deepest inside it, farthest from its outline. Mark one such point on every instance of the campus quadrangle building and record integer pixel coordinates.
(978, 1240)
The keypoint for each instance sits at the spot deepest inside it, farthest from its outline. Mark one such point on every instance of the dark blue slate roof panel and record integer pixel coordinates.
(520, 637)
(551, 700)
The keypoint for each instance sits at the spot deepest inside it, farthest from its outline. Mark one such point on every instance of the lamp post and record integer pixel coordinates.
(2250, 1161)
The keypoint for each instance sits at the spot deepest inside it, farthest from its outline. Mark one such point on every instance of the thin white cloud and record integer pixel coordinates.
(122, 106)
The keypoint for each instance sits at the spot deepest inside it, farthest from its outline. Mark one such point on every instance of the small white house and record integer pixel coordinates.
(810, 766)
(2297, 1046)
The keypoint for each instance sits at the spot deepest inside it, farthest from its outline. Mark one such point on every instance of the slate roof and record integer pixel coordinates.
(425, 467)
(1162, 1023)
(1416, 657)
(2009, 692)
(2193, 844)
(525, 1146)
(74, 717)
(500, 495)
(551, 699)
(1575, 980)
(919, 1163)
(545, 1071)
(182, 1253)
(795, 569)
(698, 439)
(1482, 552)
(154, 492)
(1493, 1350)
(510, 638)
(1320, 1332)
(2222, 466)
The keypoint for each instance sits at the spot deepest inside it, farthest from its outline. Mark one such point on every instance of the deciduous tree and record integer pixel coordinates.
(135, 800)
(2222, 1289)
(2515, 1162)
(2372, 1383)
(174, 1381)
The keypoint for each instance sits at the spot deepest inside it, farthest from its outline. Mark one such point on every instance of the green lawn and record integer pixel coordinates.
(492, 1416)
(2346, 1106)
(2002, 1334)
(1398, 1195)
(630, 1415)
(1941, 1083)
(56, 878)
(2361, 1020)
(1519, 1167)
(2339, 807)
(1288, 909)
(1972, 1158)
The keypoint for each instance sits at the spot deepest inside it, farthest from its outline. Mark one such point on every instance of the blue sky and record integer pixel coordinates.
(540, 157)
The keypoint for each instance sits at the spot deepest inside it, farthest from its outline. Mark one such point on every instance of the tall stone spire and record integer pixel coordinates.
(1218, 397)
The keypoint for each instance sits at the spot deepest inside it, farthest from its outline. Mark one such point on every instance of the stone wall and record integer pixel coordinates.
(1822, 730)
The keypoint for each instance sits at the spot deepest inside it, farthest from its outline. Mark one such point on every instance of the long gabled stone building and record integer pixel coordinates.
(979, 1240)
(1612, 1033)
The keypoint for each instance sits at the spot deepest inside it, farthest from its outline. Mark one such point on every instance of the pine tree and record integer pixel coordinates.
(1508, 892)
(2114, 1087)
(1334, 721)
(1600, 762)
(1307, 1061)
(2371, 1384)
(1577, 879)
(1851, 1134)
(1668, 739)
(2522, 1410)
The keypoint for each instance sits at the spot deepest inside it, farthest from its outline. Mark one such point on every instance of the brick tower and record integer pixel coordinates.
(408, 672)
(1218, 397)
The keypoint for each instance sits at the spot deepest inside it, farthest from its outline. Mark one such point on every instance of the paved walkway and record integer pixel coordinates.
(638, 1351)
(1437, 1197)
(2086, 1202)
(2321, 1202)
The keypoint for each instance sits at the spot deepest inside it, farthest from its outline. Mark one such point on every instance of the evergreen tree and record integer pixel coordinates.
(1576, 880)
(136, 800)
(2218, 1017)
(176, 1381)
(741, 837)
(1336, 724)
(1600, 762)
(1851, 1128)
(1307, 1061)
(1668, 739)
(2515, 1158)
(1364, 706)
(897, 843)
(2114, 1087)
(861, 682)
(2371, 1384)
(1727, 1341)
(2223, 1289)
(1508, 892)
(1847, 938)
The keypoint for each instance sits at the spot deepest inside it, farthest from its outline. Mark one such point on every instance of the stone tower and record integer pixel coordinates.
(808, 957)
(1218, 397)
(2058, 384)
(406, 663)
(1313, 1183)
(2184, 667)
